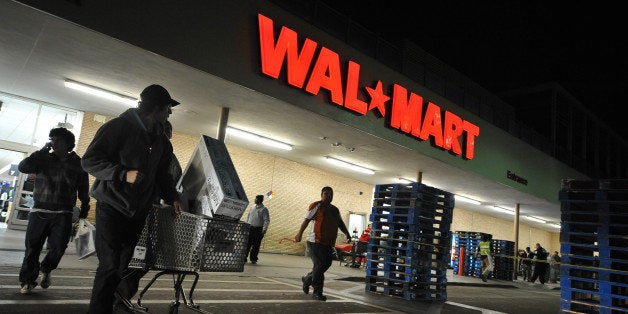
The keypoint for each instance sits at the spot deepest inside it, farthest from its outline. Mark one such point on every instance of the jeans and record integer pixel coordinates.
(116, 237)
(322, 256)
(256, 235)
(57, 228)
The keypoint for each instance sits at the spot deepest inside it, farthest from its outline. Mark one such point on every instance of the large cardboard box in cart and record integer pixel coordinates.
(210, 185)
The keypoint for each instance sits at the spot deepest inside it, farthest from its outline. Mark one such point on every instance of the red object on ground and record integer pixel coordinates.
(344, 247)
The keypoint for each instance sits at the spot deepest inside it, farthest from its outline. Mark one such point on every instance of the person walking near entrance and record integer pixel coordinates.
(130, 280)
(485, 257)
(59, 180)
(527, 264)
(259, 219)
(130, 157)
(540, 264)
(321, 240)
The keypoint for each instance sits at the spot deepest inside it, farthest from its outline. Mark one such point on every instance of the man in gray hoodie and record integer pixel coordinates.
(130, 157)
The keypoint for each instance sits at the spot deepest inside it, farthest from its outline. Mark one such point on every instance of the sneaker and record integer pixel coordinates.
(319, 297)
(306, 287)
(483, 277)
(28, 287)
(253, 262)
(45, 280)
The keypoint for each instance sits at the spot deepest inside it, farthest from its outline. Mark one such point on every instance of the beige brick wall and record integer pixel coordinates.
(295, 186)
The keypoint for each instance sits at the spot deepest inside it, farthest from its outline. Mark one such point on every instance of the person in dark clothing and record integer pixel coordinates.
(527, 264)
(130, 157)
(259, 219)
(321, 240)
(130, 280)
(59, 179)
(540, 264)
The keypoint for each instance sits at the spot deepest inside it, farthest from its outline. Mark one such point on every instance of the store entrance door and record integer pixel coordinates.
(9, 196)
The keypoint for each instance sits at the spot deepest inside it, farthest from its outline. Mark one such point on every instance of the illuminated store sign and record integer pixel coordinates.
(406, 115)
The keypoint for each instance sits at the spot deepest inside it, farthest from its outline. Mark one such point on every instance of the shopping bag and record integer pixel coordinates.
(84, 240)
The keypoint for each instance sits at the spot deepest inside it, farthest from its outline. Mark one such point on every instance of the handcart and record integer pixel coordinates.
(185, 246)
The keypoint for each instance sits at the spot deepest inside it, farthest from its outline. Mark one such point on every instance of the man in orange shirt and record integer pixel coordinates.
(321, 240)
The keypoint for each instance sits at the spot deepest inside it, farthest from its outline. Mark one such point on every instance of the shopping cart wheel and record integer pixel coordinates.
(174, 307)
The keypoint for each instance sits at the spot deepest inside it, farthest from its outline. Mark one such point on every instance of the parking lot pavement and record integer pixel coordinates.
(273, 285)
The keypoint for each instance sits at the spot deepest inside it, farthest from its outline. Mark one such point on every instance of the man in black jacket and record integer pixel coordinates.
(130, 157)
(58, 179)
(540, 264)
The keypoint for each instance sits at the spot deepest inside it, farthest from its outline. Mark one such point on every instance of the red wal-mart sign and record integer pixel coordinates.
(306, 70)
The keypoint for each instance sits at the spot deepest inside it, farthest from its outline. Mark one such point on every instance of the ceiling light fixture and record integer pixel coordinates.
(404, 180)
(258, 138)
(503, 210)
(535, 219)
(466, 199)
(96, 91)
(348, 165)
(554, 225)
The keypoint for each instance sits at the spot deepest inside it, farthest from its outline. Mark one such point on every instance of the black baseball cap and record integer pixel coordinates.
(157, 95)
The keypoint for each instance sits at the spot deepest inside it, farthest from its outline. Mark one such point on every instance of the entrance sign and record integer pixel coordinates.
(407, 113)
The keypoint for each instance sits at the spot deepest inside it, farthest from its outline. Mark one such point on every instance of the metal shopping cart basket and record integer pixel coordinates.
(186, 245)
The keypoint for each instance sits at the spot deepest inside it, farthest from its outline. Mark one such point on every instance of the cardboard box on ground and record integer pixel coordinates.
(210, 185)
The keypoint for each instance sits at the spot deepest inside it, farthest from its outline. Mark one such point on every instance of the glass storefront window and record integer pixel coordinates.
(27, 121)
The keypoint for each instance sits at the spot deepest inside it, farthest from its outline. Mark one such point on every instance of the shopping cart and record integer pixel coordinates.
(186, 246)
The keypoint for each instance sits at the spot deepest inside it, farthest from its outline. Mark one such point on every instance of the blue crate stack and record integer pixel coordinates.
(408, 252)
(503, 257)
(594, 246)
(470, 241)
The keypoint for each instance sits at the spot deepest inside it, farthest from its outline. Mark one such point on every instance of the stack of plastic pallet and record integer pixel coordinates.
(469, 241)
(594, 246)
(408, 251)
(503, 257)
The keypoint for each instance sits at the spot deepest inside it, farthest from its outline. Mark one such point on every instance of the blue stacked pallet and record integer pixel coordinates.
(503, 253)
(594, 266)
(408, 251)
(470, 241)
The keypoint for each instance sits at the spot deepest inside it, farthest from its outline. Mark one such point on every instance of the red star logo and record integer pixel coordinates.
(378, 98)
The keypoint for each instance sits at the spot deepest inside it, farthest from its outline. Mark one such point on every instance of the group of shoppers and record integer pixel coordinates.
(131, 158)
(534, 265)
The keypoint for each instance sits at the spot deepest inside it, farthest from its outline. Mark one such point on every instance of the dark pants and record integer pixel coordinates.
(255, 240)
(116, 237)
(130, 282)
(322, 256)
(57, 228)
(526, 271)
(539, 272)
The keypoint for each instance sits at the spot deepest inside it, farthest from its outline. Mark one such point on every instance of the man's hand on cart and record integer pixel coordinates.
(177, 208)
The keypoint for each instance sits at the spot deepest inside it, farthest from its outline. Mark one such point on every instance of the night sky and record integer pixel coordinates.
(503, 45)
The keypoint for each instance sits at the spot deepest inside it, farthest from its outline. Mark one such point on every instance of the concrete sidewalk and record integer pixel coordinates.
(463, 295)
(271, 264)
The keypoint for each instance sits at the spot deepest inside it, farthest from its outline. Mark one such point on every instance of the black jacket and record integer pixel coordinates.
(123, 144)
(57, 183)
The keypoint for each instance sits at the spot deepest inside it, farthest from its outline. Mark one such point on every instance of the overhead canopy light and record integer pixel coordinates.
(466, 199)
(258, 138)
(404, 180)
(503, 210)
(535, 219)
(96, 91)
(348, 165)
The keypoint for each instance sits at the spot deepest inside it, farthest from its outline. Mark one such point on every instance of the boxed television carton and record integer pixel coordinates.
(210, 185)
